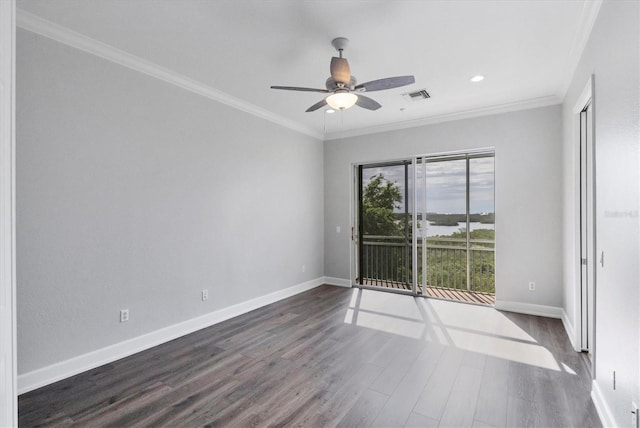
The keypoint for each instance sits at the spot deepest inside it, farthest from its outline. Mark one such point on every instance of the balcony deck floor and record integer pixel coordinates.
(439, 292)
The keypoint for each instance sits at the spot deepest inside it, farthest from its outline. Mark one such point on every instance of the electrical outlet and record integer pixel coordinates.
(304, 268)
(205, 295)
(532, 286)
(124, 315)
(337, 229)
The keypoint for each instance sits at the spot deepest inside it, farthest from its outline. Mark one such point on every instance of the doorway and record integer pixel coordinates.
(425, 226)
(587, 229)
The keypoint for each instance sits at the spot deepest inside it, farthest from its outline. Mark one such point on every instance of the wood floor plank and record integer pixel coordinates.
(222, 365)
(399, 407)
(461, 405)
(183, 401)
(48, 419)
(406, 351)
(433, 399)
(281, 404)
(479, 424)
(522, 413)
(339, 403)
(416, 420)
(303, 362)
(110, 415)
(491, 407)
(521, 379)
(365, 410)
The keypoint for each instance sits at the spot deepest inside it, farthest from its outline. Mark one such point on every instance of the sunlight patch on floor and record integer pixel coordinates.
(567, 369)
(473, 328)
(385, 322)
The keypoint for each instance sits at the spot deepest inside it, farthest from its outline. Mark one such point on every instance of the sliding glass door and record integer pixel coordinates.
(432, 212)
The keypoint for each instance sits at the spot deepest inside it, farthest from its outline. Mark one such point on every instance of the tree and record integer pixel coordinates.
(454, 261)
(380, 197)
(384, 258)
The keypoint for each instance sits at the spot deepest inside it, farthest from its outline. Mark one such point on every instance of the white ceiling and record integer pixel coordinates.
(527, 49)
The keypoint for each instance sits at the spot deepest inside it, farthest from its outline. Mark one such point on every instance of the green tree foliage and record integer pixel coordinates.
(446, 264)
(477, 234)
(380, 197)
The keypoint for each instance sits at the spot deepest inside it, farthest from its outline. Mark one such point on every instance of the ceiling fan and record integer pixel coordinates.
(341, 86)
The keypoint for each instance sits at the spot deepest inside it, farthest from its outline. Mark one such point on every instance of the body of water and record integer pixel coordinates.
(448, 230)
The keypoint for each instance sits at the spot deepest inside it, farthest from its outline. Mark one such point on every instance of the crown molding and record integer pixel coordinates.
(35, 24)
(590, 10)
(64, 35)
(448, 117)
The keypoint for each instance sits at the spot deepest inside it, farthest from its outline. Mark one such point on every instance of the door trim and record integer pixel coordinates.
(586, 97)
(8, 346)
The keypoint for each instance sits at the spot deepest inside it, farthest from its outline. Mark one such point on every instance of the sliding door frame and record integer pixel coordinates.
(357, 239)
(414, 162)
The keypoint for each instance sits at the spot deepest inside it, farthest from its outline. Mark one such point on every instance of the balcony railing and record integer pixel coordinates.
(386, 261)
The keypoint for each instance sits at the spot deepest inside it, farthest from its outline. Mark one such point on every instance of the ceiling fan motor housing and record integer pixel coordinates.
(340, 71)
(332, 85)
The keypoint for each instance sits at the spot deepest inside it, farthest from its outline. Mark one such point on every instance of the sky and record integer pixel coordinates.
(446, 185)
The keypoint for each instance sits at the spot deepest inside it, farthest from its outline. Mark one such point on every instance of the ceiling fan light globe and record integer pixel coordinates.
(341, 100)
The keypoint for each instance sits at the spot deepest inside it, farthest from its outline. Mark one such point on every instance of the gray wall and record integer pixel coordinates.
(528, 193)
(132, 193)
(612, 55)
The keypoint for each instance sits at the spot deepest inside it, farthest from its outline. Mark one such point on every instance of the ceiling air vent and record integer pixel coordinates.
(422, 94)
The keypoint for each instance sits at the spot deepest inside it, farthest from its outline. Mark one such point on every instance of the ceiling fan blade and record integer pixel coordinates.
(317, 105)
(296, 88)
(368, 103)
(387, 83)
(340, 71)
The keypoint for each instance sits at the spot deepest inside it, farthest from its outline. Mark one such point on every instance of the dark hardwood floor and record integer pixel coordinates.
(338, 357)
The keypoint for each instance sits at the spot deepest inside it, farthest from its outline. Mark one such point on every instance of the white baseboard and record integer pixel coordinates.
(529, 309)
(606, 417)
(64, 369)
(339, 282)
(571, 332)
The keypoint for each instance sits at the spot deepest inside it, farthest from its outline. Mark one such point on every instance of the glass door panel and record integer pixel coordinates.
(481, 225)
(446, 235)
(384, 223)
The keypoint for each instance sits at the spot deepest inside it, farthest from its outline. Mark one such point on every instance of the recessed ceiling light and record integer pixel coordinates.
(330, 111)
(478, 78)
